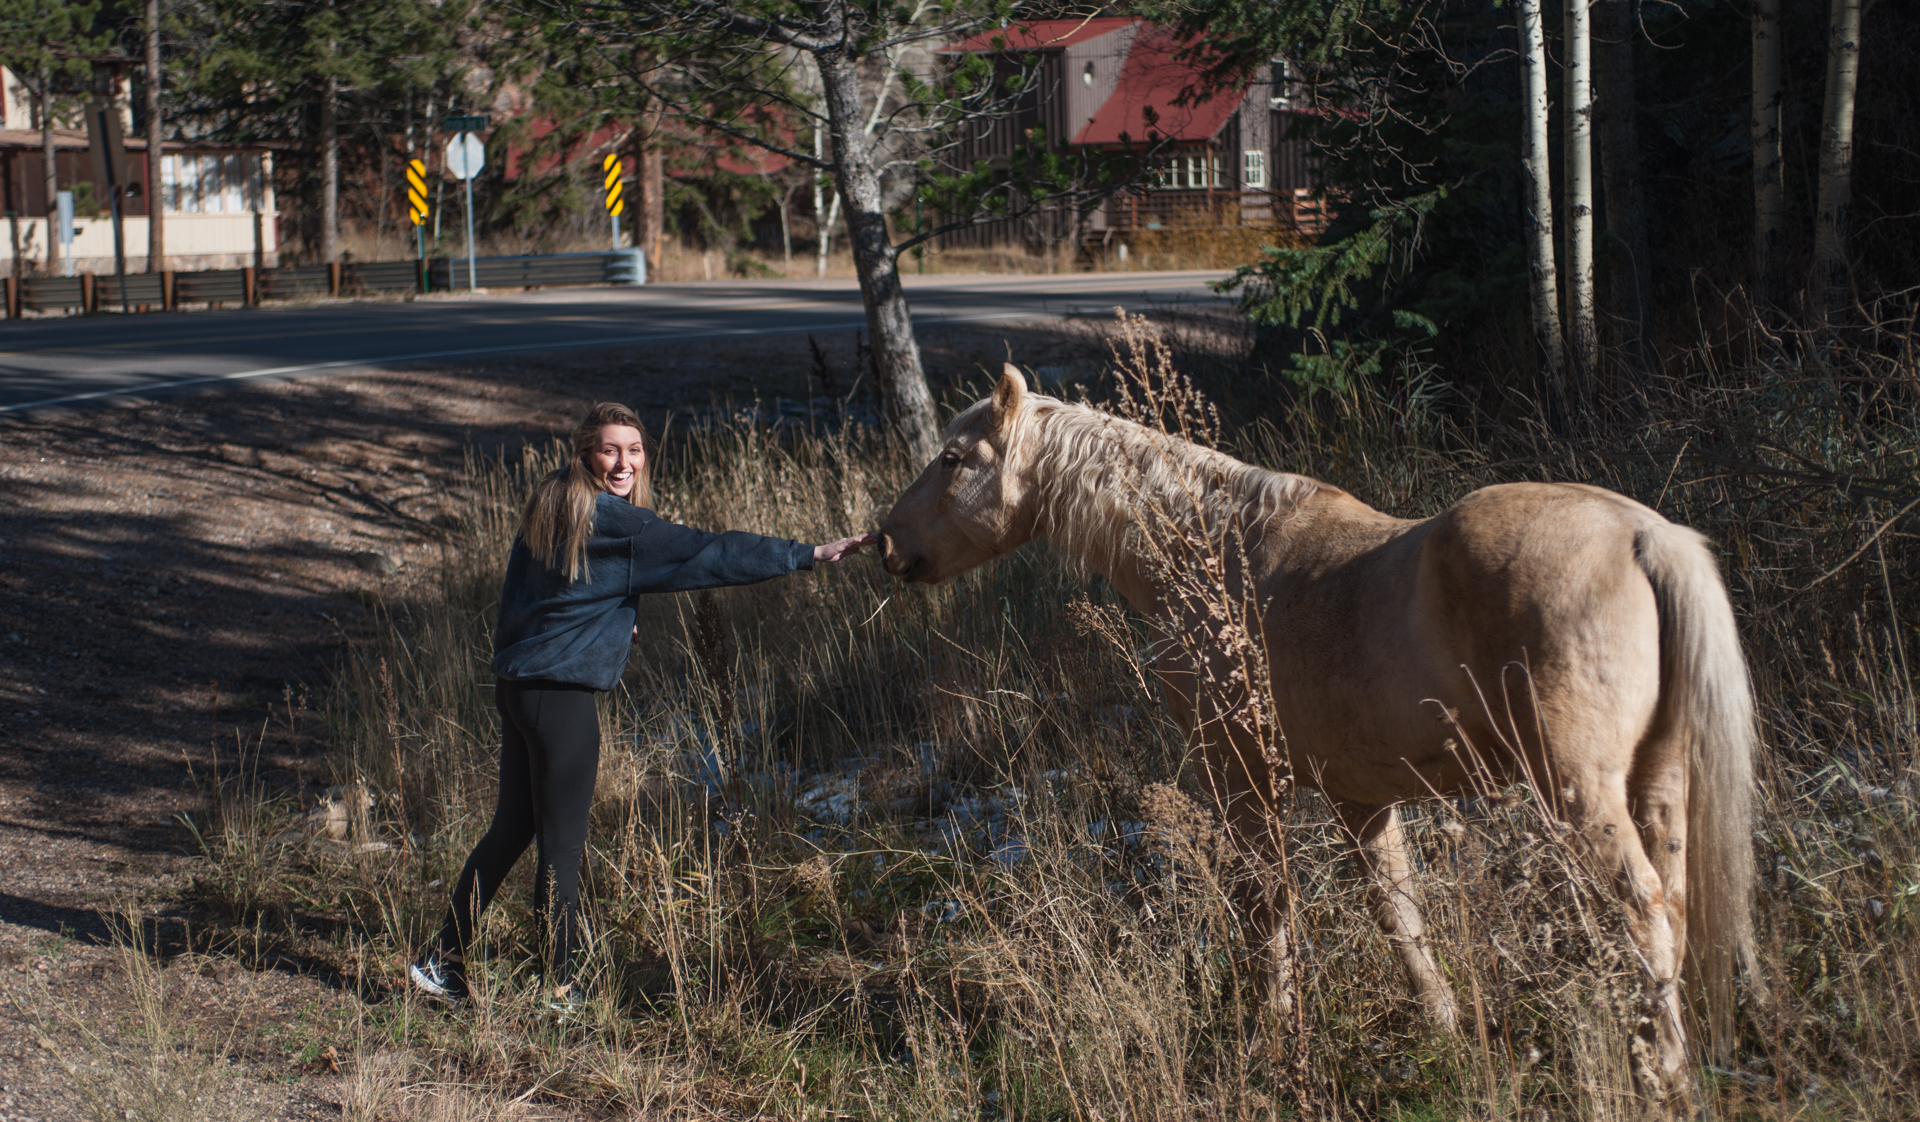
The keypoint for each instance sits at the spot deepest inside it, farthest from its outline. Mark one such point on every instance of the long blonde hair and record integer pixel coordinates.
(558, 518)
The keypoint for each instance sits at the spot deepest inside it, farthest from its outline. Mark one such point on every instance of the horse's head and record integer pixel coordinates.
(971, 504)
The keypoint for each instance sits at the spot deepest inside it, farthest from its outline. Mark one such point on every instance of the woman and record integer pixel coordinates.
(587, 548)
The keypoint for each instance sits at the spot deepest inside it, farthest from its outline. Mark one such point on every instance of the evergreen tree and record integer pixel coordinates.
(46, 43)
(358, 80)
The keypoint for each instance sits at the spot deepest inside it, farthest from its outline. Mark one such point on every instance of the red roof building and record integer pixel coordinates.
(1122, 83)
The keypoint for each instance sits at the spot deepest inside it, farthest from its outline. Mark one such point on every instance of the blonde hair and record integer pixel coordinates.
(558, 518)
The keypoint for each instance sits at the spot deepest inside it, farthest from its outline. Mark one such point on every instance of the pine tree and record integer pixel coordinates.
(342, 77)
(43, 42)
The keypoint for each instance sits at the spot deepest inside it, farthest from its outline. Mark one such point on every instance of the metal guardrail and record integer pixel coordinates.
(626, 266)
(89, 292)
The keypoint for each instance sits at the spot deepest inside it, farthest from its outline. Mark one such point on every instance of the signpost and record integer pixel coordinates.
(109, 147)
(465, 157)
(417, 211)
(615, 203)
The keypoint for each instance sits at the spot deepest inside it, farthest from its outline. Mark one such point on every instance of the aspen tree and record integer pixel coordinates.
(1534, 163)
(1583, 344)
(1836, 158)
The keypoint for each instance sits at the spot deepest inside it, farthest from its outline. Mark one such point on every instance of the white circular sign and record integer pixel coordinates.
(465, 156)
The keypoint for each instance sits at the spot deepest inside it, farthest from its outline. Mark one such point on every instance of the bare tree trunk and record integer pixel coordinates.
(786, 226)
(1583, 344)
(156, 201)
(1769, 203)
(329, 173)
(904, 395)
(1534, 164)
(47, 154)
(822, 221)
(1626, 201)
(653, 187)
(1836, 159)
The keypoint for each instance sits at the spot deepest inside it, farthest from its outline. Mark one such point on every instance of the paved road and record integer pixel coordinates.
(71, 361)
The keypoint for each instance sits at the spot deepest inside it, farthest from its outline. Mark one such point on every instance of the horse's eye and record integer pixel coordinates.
(950, 460)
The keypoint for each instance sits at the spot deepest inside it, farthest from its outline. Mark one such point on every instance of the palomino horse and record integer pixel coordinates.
(1390, 642)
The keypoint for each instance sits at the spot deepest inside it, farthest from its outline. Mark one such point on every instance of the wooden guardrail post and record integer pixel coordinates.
(333, 278)
(167, 301)
(249, 292)
(13, 297)
(89, 295)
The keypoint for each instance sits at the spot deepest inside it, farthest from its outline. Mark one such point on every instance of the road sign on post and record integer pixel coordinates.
(465, 157)
(616, 201)
(417, 208)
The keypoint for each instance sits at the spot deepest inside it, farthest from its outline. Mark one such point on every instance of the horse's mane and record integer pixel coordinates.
(1102, 477)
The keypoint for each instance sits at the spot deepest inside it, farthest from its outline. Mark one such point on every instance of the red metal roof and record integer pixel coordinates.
(1044, 34)
(1142, 106)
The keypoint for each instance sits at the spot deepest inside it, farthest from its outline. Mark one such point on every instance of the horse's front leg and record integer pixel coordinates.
(1382, 842)
(1238, 779)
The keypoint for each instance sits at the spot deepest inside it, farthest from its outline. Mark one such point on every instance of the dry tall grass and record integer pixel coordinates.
(864, 850)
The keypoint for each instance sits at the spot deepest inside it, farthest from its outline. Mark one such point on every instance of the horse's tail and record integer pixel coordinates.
(1706, 701)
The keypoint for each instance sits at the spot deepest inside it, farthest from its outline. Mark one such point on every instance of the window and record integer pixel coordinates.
(1253, 169)
(212, 183)
(1193, 171)
(1284, 79)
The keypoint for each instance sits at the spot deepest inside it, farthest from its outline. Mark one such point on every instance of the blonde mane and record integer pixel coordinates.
(1100, 479)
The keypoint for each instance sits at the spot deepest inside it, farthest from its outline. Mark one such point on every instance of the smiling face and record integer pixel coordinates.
(968, 506)
(618, 458)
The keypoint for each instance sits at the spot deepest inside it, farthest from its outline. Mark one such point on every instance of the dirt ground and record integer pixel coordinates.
(177, 579)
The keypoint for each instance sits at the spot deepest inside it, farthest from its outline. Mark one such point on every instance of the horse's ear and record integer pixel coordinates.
(1007, 395)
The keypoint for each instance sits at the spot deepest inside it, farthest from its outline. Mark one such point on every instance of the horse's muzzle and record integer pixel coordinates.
(897, 562)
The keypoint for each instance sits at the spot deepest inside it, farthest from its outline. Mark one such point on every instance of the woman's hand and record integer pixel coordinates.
(845, 547)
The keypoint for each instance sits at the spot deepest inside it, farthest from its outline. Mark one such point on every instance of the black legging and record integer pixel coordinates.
(548, 759)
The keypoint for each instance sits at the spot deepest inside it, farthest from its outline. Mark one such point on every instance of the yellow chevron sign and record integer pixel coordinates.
(616, 202)
(417, 191)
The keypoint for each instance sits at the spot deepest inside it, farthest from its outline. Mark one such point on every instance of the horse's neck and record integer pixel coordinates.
(1104, 483)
